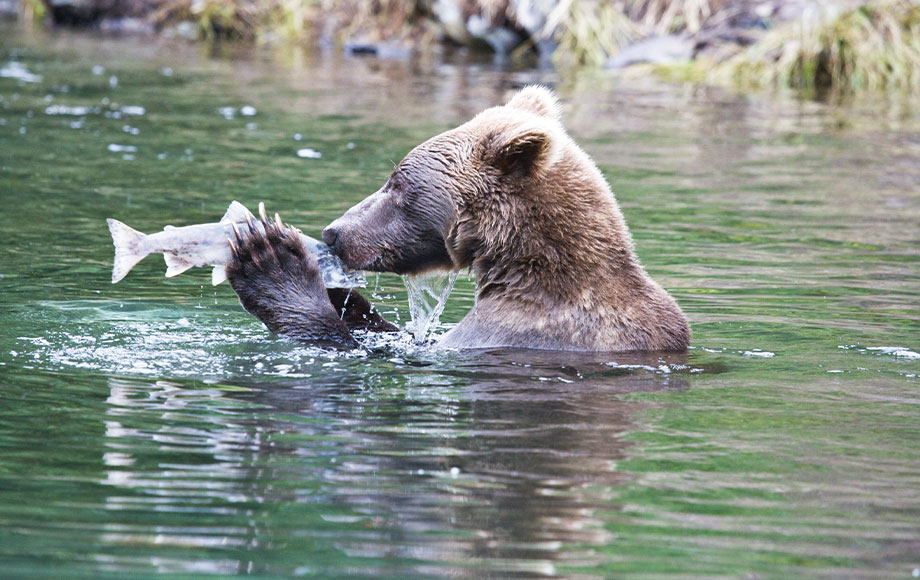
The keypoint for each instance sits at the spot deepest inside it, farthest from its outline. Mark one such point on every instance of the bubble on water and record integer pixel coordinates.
(308, 153)
(167, 71)
(227, 112)
(350, 145)
(135, 110)
(98, 70)
(116, 148)
(297, 136)
(251, 126)
(113, 81)
(77, 124)
(131, 130)
(248, 111)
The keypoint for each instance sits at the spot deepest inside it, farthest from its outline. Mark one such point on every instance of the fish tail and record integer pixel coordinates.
(128, 251)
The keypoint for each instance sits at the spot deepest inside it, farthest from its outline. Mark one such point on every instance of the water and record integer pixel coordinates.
(154, 429)
(427, 296)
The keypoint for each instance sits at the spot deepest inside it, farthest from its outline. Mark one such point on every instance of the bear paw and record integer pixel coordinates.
(278, 281)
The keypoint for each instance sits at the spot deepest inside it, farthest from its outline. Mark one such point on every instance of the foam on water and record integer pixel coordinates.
(901, 352)
(17, 70)
(143, 339)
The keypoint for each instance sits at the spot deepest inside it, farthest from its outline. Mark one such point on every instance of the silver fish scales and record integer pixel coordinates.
(208, 245)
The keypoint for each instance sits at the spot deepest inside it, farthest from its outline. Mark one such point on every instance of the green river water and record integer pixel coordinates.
(153, 429)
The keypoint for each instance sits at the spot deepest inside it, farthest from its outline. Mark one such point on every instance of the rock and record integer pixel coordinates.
(670, 49)
(129, 26)
(449, 16)
(91, 12)
(533, 17)
(501, 38)
(185, 29)
(386, 50)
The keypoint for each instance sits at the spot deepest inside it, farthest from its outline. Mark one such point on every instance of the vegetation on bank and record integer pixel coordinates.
(875, 46)
(806, 44)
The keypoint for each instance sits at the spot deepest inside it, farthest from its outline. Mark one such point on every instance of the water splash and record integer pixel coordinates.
(427, 295)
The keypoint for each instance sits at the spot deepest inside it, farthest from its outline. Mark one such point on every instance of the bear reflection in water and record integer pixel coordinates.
(512, 197)
(490, 464)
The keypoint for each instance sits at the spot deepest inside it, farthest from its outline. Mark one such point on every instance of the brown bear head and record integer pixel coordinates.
(459, 195)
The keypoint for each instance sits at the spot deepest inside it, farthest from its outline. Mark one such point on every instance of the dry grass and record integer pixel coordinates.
(32, 11)
(875, 46)
(295, 19)
(591, 31)
(233, 19)
(670, 16)
(376, 20)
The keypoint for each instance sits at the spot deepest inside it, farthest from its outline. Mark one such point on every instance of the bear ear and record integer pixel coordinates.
(538, 100)
(526, 152)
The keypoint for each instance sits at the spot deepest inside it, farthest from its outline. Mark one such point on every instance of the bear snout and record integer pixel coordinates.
(350, 242)
(330, 236)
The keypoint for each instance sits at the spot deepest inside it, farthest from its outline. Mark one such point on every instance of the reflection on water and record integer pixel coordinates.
(154, 429)
(491, 469)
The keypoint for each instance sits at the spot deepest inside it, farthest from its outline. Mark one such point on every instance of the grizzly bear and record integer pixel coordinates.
(512, 197)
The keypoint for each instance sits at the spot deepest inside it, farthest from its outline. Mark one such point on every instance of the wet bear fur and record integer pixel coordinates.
(512, 197)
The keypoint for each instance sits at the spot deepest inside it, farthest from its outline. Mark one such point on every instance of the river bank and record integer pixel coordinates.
(811, 45)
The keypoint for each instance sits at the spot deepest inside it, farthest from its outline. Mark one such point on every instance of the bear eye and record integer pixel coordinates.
(398, 182)
(399, 187)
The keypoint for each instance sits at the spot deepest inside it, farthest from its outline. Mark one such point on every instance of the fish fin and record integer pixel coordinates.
(236, 213)
(218, 275)
(175, 265)
(128, 250)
